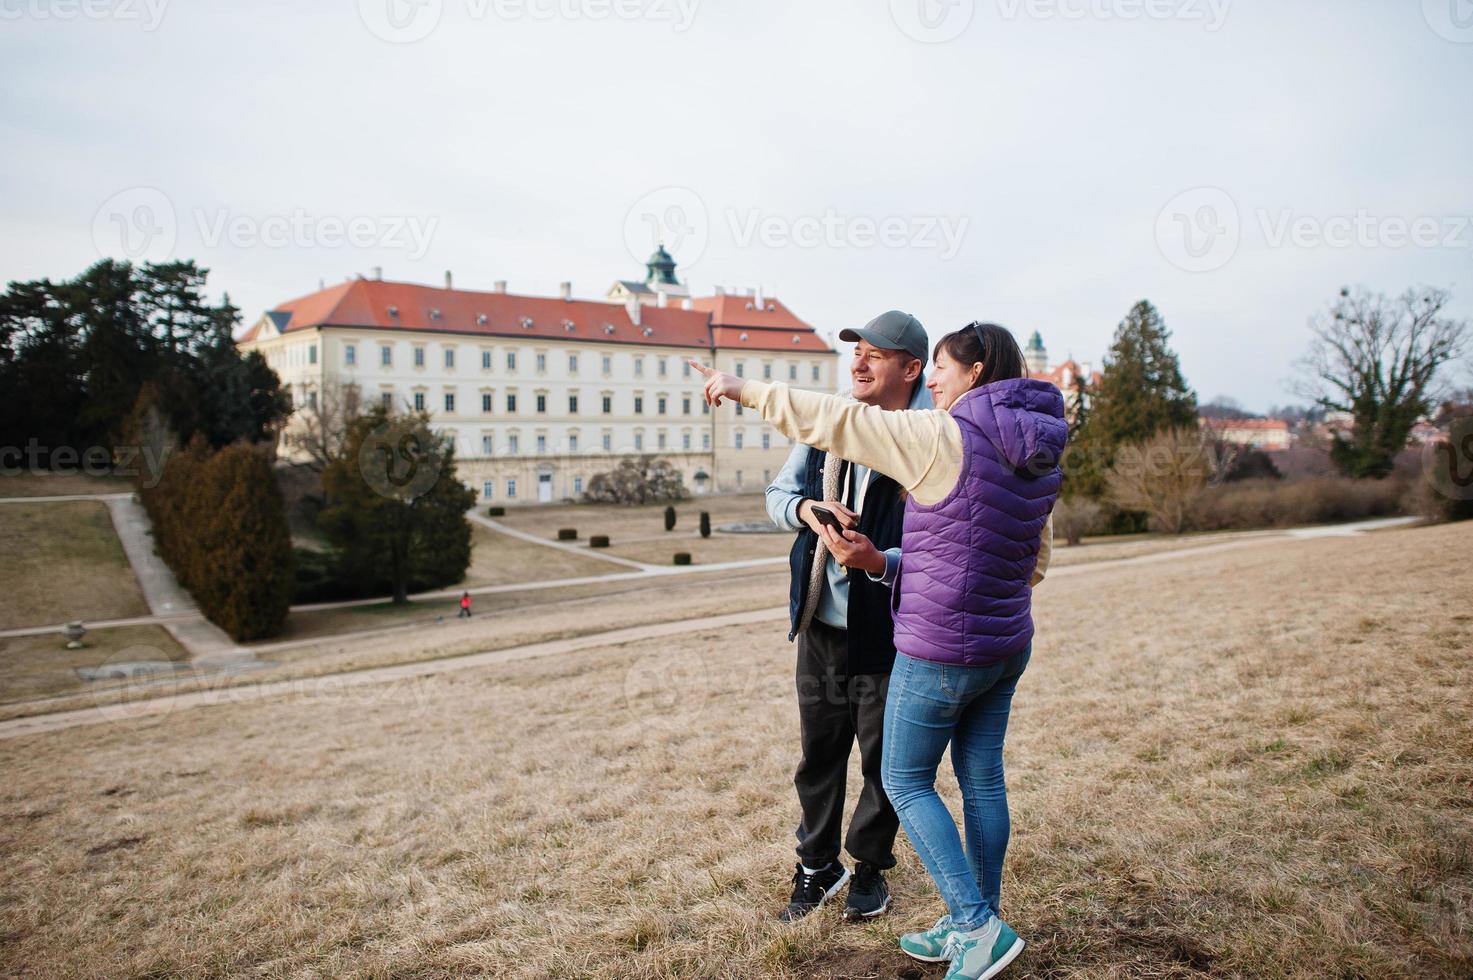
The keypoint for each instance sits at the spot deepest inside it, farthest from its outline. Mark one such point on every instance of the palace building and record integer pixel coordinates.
(541, 393)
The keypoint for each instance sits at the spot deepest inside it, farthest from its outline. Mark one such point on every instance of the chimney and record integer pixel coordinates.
(378, 273)
(499, 286)
(663, 299)
(321, 284)
(449, 283)
(760, 304)
(632, 306)
(565, 290)
(720, 290)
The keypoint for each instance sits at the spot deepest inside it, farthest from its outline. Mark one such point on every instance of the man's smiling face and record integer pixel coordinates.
(881, 376)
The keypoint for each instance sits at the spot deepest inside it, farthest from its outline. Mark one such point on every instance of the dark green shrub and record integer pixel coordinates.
(598, 541)
(567, 534)
(496, 511)
(682, 558)
(669, 518)
(705, 524)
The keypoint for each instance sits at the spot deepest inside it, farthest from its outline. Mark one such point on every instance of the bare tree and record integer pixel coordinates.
(1075, 516)
(1161, 477)
(1377, 359)
(321, 424)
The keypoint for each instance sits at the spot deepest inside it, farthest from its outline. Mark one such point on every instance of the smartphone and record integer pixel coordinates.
(826, 516)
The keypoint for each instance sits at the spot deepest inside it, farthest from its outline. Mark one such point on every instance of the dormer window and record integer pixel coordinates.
(743, 338)
(797, 339)
(393, 311)
(482, 319)
(608, 328)
(649, 331)
(526, 322)
(435, 313)
(569, 326)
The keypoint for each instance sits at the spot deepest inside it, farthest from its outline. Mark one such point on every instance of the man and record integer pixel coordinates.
(839, 601)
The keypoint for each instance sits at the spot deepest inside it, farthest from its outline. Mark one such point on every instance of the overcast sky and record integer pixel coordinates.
(1041, 163)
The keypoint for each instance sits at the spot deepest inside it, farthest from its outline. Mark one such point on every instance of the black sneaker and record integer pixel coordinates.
(869, 896)
(810, 891)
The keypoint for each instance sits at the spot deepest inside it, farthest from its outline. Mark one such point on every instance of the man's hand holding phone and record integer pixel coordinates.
(832, 521)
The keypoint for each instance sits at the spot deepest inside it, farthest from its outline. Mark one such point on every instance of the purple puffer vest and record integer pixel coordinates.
(963, 596)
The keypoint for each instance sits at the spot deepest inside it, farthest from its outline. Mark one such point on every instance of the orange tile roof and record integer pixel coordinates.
(367, 304)
(737, 323)
(1276, 424)
(1055, 375)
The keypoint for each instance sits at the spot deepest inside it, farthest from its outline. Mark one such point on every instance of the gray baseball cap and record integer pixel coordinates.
(892, 330)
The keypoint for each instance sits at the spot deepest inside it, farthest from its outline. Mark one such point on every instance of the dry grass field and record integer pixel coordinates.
(61, 484)
(1257, 762)
(42, 667)
(500, 559)
(63, 561)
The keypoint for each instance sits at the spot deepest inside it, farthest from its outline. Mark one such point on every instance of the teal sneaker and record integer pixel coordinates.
(928, 946)
(982, 953)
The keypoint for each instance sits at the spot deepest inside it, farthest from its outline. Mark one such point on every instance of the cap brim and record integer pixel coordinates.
(852, 336)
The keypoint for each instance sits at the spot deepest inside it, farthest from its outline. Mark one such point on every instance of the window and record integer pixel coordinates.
(541, 363)
(513, 444)
(638, 441)
(387, 399)
(573, 442)
(767, 440)
(608, 364)
(486, 403)
(485, 360)
(686, 372)
(511, 404)
(312, 354)
(511, 489)
(541, 444)
(419, 357)
(766, 370)
(608, 442)
(541, 404)
(572, 404)
(705, 409)
(350, 355)
(705, 440)
(685, 405)
(449, 402)
(660, 406)
(638, 404)
(741, 369)
(419, 401)
(639, 367)
(386, 355)
(739, 477)
(660, 439)
(664, 367)
(577, 484)
(450, 357)
(488, 489)
(608, 404)
(792, 372)
(736, 439)
(685, 441)
(511, 360)
(486, 447)
(738, 408)
(572, 363)
(817, 372)
(312, 399)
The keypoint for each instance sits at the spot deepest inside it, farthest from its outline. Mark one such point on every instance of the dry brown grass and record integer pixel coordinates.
(500, 559)
(61, 484)
(626, 523)
(63, 561)
(1249, 763)
(42, 666)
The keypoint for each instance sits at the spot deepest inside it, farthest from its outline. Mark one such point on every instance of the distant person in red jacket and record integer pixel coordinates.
(465, 606)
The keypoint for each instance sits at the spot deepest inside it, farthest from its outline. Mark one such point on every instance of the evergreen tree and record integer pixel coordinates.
(1141, 392)
(397, 515)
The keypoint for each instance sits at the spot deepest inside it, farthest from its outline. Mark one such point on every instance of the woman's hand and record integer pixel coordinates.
(854, 550)
(719, 384)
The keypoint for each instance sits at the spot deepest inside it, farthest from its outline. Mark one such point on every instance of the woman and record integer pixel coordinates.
(982, 475)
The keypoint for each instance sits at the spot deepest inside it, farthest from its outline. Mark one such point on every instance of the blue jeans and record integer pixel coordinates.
(930, 706)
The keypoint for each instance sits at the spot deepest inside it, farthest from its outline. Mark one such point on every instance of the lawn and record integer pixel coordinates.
(1248, 763)
(42, 667)
(65, 562)
(43, 484)
(630, 523)
(499, 559)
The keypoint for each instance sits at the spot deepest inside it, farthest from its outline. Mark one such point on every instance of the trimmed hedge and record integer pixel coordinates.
(669, 518)
(598, 541)
(219, 521)
(705, 524)
(495, 511)
(567, 534)
(682, 558)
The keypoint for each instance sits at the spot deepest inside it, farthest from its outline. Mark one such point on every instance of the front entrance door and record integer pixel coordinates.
(544, 488)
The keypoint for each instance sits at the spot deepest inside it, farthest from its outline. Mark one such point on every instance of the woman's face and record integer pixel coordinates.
(950, 380)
